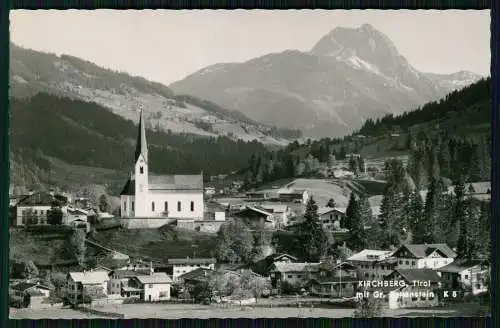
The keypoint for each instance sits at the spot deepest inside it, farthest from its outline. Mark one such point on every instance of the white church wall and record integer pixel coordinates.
(185, 200)
(127, 204)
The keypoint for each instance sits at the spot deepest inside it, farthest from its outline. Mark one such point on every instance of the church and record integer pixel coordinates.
(147, 195)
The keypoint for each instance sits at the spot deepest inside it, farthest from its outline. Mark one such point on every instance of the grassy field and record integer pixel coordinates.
(174, 311)
(158, 243)
(50, 314)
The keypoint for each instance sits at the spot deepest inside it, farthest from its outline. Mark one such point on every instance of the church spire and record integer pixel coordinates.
(142, 145)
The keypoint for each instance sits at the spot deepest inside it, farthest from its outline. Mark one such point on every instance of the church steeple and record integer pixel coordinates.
(142, 145)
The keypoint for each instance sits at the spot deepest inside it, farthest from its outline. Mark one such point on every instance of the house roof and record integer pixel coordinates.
(424, 250)
(192, 261)
(197, 274)
(294, 267)
(460, 265)
(255, 209)
(410, 275)
(36, 199)
(167, 183)
(370, 255)
(325, 210)
(333, 280)
(23, 286)
(89, 277)
(155, 278)
(122, 274)
(293, 192)
(275, 208)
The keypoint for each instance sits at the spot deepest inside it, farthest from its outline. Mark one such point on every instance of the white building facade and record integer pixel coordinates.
(165, 196)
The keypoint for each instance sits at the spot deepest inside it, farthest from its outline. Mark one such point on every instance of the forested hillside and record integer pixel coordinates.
(454, 132)
(86, 134)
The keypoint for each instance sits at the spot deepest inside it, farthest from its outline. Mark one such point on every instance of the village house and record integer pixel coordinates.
(423, 256)
(263, 266)
(182, 266)
(468, 275)
(153, 287)
(296, 274)
(255, 216)
(334, 280)
(331, 218)
(87, 286)
(119, 281)
(373, 264)
(33, 295)
(294, 195)
(280, 212)
(33, 209)
(411, 295)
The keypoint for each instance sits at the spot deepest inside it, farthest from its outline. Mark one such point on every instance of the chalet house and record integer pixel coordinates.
(373, 264)
(153, 287)
(331, 217)
(335, 280)
(261, 195)
(296, 274)
(31, 295)
(32, 209)
(422, 256)
(119, 281)
(182, 266)
(71, 214)
(294, 195)
(264, 265)
(467, 275)
(201, 275)
(410, 295)
(87, 284)
(256, 215)
(280, 212)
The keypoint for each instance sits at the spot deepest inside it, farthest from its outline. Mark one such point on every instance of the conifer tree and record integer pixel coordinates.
(356, 239)
(415, 215)
(310, 235)
(463, 243)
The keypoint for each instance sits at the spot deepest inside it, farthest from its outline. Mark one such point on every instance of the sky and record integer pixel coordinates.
(166, 46)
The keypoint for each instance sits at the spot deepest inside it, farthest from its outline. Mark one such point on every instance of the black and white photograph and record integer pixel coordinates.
(249, 164)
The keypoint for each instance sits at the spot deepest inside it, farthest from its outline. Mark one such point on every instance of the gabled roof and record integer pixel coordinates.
(192, 261)
(37, 199)
(275, 208)
(24, 286)
(370, 255)
(197, 274)
(166, 183)
(333, 280)
(155, 278)
(254, 209)
(295, 267)
(89, 277)
(123, 274)
(410, 275)
(293, 192)
(424, 250)
(326, 210)
(461, 265)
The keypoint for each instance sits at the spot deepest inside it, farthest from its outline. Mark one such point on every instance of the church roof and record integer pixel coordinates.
(167, 183)
(142, 145)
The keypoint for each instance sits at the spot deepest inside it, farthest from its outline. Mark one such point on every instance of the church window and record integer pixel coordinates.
(125, 207)
(141, 169)
(178, 206)
(132, 207)
(166, 206)
(192, 206)
(153, 206)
